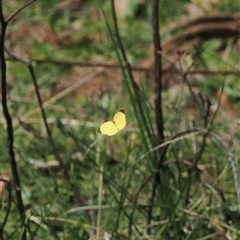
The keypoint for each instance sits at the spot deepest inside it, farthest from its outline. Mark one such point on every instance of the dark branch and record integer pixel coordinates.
(10, 136)
(158, 104)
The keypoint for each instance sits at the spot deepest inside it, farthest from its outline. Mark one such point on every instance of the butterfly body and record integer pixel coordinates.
(110, 128)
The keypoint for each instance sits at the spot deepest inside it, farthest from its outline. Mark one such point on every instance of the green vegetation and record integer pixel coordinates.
(79, 184)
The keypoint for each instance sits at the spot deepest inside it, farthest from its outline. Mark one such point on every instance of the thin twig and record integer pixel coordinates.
(40, 104)
(19, 10)
(157, 70)
(134, 67)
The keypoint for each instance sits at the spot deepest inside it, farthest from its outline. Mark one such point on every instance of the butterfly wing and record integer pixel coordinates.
(108, 128)
(120, 119)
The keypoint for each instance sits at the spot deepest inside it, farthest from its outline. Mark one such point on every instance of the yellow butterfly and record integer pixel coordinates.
(110, 128)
